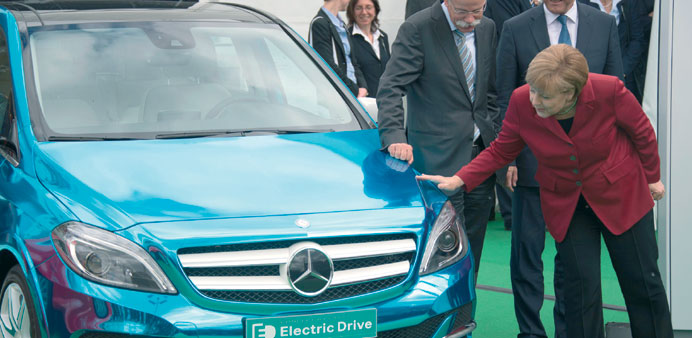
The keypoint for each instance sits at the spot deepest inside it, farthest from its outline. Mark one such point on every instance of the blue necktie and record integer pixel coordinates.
(564, 33)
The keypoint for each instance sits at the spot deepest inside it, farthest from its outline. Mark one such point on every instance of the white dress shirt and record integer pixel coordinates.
(614, 11)
(554, 26)
(375, 44)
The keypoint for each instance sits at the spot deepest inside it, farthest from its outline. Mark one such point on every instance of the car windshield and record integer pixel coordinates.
(170, 79)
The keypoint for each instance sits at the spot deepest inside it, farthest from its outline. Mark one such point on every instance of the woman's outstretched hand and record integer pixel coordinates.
(448, 185)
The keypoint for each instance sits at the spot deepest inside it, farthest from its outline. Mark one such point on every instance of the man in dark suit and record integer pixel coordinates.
(503, 10)
(500, 11)
(595, 34)
(634, 27)
(329, 37)
(443, 60)
(414, 6)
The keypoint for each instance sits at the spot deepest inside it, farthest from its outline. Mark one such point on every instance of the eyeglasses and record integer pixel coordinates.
(465, 12)
(366, 8)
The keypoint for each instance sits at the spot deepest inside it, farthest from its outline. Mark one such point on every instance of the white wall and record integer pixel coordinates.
(675, 118)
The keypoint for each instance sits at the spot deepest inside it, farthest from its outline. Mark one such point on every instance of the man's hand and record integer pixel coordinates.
(362, 92)
(448, 185)
(512, 177)
(401, 151)
(657, 190)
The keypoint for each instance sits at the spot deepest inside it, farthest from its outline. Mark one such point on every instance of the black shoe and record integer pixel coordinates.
(508, 225)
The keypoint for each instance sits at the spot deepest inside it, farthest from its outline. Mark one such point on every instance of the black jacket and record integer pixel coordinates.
(415, 6)
(325, 39)
(370, 65)
(634, 30)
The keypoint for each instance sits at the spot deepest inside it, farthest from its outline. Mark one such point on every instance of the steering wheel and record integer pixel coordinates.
(215, 111)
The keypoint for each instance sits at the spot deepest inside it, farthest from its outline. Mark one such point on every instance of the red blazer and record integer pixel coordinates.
(610, 156)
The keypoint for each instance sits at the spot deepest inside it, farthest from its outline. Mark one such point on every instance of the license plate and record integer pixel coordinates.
(346, 324)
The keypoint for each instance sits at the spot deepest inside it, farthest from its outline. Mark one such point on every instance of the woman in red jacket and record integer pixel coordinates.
(599, 174)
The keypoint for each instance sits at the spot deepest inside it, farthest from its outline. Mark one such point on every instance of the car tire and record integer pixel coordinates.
(17, 312)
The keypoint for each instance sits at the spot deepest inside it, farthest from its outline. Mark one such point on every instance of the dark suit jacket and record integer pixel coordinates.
(525, 35)
(415, 6)
(324, 37)
(370, 65)
(610, 156)
(634, 30)
(425, 66)
(503, 10)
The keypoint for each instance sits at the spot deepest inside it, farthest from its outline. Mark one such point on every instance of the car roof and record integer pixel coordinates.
(48, 12)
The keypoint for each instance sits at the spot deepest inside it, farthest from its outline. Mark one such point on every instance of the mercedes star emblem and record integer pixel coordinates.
(310, 271)
(302, 223)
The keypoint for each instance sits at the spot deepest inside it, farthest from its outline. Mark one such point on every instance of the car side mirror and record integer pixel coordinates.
(8, 149)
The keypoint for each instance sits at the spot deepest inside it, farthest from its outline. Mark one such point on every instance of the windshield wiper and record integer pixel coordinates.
(240, 132)
(89, 138)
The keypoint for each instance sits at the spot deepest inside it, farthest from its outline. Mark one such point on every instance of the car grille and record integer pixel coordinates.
(251, 272)
(428, 327)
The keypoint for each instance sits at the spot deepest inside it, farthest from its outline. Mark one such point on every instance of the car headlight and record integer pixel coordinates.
(446, 241)
(104, 257)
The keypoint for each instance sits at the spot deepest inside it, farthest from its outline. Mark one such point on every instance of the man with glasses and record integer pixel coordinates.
(594, 34)
(443, 60)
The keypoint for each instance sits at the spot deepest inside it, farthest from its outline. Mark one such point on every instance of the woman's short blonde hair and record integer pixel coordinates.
(560, 68)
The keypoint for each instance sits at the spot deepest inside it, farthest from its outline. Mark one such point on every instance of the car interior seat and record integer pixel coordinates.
(190, 90)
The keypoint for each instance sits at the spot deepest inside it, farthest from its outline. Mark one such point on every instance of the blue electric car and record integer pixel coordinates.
(173, 169)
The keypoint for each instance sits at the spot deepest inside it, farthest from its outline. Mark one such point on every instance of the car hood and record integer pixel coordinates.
(119, 183)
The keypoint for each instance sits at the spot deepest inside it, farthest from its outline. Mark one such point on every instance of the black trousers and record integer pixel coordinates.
(475, 207)
(504, 198)
(526, 267)
(634, 255)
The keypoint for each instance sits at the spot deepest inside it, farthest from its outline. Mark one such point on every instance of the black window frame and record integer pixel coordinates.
(9, 140)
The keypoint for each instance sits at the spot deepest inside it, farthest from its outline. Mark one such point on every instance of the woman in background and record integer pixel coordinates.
(330, 38)
(370, 44)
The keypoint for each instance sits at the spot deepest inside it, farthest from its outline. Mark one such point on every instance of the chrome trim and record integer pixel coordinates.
(280, 283)
(237, 258)
(370, 273)
(363, 250)
(241, 283)
(468, 328)
(281, 256)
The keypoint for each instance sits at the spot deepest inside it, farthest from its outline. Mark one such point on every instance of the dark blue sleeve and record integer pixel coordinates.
(634, 16)
(501, 11)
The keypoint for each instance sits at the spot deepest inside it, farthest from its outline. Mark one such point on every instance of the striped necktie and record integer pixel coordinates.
(564, 33)
(466, 63)
(469, 71)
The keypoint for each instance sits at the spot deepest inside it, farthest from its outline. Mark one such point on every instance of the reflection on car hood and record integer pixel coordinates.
(117, 183)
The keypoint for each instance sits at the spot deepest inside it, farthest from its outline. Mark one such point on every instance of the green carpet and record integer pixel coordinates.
(495, 310)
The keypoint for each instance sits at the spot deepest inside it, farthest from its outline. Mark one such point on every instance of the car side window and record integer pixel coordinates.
(8, 130)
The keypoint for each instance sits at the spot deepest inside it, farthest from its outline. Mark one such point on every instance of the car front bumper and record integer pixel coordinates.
(434, 305)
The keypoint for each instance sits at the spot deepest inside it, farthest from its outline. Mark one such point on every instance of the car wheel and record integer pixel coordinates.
(17, 316)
